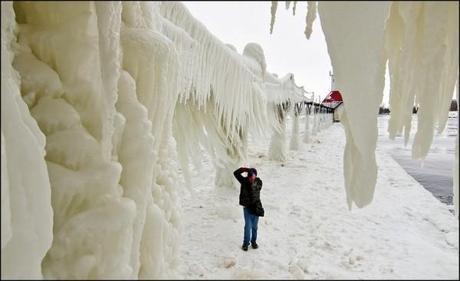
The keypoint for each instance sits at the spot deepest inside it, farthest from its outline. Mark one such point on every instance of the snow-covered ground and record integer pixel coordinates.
(308, 231)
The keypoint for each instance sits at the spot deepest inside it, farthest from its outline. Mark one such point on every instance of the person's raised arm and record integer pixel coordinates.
(237, 174)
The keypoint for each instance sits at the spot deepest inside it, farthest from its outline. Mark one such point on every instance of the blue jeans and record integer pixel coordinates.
(250, 223)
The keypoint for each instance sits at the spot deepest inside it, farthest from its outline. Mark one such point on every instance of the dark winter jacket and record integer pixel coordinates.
(250, 193)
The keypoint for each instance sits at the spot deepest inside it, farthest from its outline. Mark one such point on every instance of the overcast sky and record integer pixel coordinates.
(286, 50)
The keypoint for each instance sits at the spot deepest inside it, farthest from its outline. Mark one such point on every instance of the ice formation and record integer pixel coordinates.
(311, 16)
(27, 216)
(422, 48)
(224, 95)
(99, 80)
(221, 96)
(273, 11)
(314, 128)
(420, 42)
(294, 144)
(278, 143)
(281, 98)
(360, 79)
(99, 100)
(306, 134)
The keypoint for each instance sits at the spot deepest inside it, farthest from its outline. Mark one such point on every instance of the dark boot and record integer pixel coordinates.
(254, 245)
(244, 247)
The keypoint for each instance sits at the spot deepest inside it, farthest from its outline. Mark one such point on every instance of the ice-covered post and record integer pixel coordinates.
(306, 134)
(313, 130)
(294, 145)
(318, 120)
(278, 145)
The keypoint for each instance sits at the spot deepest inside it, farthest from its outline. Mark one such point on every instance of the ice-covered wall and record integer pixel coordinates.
(91, 191)
(27, 216)
(76, 116)
(420, 42)
(151, 61)
(99, 80)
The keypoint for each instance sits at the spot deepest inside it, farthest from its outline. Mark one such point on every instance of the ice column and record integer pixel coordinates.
(273, 11)
(278, 146)
(151, 59)
(306, 135)
(311, 15)
(354, 35)
(294, 144)
(27, 216)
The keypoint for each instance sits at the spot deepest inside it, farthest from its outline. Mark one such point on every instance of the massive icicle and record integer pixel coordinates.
(422, 47)
(311, 16)
(455, 170)
(354, 35)
(273, 12)
(420, 41)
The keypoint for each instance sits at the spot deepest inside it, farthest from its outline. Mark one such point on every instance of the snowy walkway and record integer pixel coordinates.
(308, 232)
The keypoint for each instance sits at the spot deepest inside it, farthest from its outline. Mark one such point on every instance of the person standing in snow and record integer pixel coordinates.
(250, 199)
